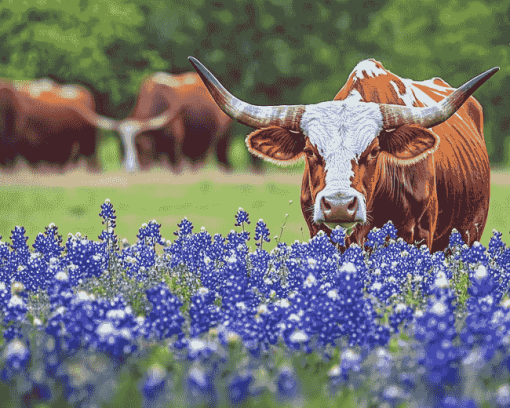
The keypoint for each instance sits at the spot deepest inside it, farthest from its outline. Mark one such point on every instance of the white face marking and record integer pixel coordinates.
(341, 131)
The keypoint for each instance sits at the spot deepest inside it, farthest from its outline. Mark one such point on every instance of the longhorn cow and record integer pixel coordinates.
(48, 123)
(387, 148)
(174, 117)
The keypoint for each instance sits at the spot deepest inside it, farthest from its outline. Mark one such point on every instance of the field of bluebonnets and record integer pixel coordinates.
(207, 322)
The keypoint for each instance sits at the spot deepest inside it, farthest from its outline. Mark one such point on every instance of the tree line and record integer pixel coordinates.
(264, 51)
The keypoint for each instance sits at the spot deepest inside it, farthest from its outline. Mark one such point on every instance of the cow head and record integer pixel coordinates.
(346, 144)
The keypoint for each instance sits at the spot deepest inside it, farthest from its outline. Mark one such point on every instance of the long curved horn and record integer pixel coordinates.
(286, 116)
(94, 119)
(396, 115)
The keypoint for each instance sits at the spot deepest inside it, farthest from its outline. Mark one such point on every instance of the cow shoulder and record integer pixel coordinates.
(369, 81)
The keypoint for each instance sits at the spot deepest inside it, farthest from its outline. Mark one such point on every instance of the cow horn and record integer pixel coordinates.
(97, 120)
(395, 115)
(286, 116)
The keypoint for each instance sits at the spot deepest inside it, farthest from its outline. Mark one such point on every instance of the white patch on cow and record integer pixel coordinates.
(128, 130)
(37, 87)
(354, 96)
(69, 92)
(418, 95)
(165, 79)
(370, 69)
(341, 131)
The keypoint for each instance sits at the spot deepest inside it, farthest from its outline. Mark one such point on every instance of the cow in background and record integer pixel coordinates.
(387, 148)
(174, 117)
(44, 122)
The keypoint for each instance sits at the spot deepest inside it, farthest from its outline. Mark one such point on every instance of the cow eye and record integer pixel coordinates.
(374, 152)
(308, 152)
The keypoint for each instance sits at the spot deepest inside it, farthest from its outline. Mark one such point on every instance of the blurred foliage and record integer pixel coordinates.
(264, 51)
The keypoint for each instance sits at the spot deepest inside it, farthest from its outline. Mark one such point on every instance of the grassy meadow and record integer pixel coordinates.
(207, 198)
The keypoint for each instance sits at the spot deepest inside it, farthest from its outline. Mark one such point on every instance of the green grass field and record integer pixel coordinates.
(209, 199)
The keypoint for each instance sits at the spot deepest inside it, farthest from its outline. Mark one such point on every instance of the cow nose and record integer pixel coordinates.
(339, 209)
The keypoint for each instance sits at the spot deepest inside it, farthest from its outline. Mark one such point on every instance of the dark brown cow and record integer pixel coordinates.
(48, 123)
(174, 117)
(386, 149)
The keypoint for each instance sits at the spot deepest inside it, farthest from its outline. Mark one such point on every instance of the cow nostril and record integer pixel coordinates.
(325, 205)
(352, 205)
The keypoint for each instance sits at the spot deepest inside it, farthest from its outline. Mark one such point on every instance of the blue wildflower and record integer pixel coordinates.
(261, 233)
(186, 228)
(241, 217)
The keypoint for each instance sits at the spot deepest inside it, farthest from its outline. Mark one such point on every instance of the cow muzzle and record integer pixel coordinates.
(341, 209)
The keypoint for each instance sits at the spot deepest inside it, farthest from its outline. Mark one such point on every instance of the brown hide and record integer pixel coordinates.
(43, 122)
(195, 125)
(426, 200)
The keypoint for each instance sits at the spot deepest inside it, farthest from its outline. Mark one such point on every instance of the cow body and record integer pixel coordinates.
(449, 189)
(386, 148)
(47, 123)
(175, 117)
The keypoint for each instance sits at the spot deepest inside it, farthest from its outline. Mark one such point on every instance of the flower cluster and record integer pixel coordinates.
(207, 300)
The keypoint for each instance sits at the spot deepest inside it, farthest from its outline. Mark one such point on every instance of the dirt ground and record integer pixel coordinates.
(22, 175)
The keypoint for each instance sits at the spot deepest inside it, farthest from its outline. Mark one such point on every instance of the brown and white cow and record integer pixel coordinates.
(386, 148)
(48, 123)
(174, 117)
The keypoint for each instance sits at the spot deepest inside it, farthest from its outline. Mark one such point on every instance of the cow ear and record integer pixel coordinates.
(407, 145)
(276, 145)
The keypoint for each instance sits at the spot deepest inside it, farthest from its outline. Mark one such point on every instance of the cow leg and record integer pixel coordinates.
(176, 142)
(222, 148)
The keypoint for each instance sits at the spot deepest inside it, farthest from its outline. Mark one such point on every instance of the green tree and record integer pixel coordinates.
(97, 44)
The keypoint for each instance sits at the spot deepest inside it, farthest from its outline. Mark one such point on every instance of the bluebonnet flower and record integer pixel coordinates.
(261, 233)
(503, 396)
(85, 259)
(203, 312)
(338, 235)
(186, 228)
(287, 384)
(475, 253)
(436, 329)
(108, 214)
(153, 386)
(241, 217)
(49, 243)
(200, 387)
(150, 234)
(378, 237)
(350, 363)
(394, 395)
(496, 244)
(16, 356)
(402, 313)
(108, 236)
(456, 239)
(479, 326)
(238, 388)
(165, 319)
(14, 315)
